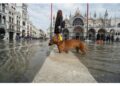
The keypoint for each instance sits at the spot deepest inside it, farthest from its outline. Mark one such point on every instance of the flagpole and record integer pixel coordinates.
(51, 23)
(87, 18)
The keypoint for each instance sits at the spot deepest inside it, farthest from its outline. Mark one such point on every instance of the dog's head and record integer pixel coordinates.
(55, 40)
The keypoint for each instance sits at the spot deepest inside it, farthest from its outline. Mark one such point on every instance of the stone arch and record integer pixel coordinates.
(78, 21)
(91, 34)
(78, 33)
(102, 31)
(112, 31)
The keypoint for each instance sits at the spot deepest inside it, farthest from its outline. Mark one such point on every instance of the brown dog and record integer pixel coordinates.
(68, 44)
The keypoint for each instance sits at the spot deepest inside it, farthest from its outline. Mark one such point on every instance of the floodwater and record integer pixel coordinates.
(20, 61)
(103, 62)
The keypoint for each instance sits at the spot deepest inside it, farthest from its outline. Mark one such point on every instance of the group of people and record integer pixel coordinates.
(101, 38)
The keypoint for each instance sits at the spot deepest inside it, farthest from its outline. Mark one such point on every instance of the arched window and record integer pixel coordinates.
(112, 31)
(78, 21)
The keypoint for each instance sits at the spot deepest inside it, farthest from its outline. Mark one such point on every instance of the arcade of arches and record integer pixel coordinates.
(78, 30)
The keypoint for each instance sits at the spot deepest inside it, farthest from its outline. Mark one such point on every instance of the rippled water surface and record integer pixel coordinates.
(103, 61)
(20, 61)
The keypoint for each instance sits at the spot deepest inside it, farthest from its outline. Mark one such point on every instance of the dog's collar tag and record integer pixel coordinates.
(60, 37)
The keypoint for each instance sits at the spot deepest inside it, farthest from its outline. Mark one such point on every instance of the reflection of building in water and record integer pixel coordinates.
(15, 61)
(76, 26)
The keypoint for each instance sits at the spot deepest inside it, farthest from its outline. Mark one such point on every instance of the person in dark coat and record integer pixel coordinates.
(102, 38)
(59, 24)
(112, 38)
(108, 38)
(98, 38)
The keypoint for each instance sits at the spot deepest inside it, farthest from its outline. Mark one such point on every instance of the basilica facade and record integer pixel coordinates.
(76, 26)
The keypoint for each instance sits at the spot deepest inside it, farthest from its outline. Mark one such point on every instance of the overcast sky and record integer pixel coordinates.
(40, 13)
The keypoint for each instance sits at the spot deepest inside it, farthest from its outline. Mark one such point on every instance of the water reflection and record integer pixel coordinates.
(15, 59)
(103, 62)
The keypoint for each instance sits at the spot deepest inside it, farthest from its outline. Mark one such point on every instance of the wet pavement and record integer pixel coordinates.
(20, 61)
(63, 68)
(103, 62)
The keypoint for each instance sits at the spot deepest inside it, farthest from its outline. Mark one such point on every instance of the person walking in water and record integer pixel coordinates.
(98, 38)
(59, 24)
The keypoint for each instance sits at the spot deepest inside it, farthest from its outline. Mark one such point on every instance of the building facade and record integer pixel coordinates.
(3, 20)
(76, 26)
(15, 23)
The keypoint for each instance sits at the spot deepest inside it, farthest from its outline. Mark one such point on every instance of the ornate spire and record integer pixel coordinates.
(85, 15)
(70, 15)
(77, 12)
(106, 13)
(95, 15)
